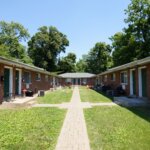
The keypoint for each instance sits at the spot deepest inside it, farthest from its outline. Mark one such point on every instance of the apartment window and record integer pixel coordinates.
(124, 77)
(105, 78)
(27, 77)
(113, 76)
(51, 80)
(100, 79)
(84, 81)
(46, 77)
(68, 80)
(38, 77)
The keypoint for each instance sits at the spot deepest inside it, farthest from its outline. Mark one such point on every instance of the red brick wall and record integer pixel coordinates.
(115, 83)
(91, 81)
(62, 81)
(35, 85)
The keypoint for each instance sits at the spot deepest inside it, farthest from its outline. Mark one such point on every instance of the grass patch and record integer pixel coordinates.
(117, 128)
(36, 128)
(89, 95)
(56, 97)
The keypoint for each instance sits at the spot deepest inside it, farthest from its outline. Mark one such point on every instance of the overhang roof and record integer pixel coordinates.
(76, 75)
(128, 65)
(22, 65)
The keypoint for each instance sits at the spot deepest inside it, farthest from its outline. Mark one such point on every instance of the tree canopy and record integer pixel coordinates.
(11, 36)
(124, 48)
(81, 65)
(45, 46)
(67, 64)
(138, 21)
(98, 58)
(133, 43)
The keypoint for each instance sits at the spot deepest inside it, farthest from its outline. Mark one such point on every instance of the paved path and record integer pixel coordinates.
(73, 135)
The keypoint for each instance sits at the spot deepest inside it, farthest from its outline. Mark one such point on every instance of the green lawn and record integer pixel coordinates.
(89, 95)
(56, 97)
(118, 128)
(30, 129)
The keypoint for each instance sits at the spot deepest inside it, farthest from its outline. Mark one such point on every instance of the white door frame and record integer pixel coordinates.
(131, 81)
(10, 79)
(140, 80)
(54, 82)
(20, 80)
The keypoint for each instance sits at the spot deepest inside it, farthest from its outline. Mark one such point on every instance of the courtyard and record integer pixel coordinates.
(87, 120)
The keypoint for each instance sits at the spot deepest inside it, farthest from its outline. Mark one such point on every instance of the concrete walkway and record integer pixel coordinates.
(73, 135)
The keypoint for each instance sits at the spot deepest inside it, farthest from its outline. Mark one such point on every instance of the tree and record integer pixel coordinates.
(133, 43)
(11, 36)
(123, 48)
(67, 64)
(45, 46)
(138, 21)
(4, 51)
(81, 65)
(98, 58)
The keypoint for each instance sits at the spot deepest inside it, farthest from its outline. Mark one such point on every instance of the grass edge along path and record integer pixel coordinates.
(56, 97)
(36, 128)
(89, 95)
(118, 128)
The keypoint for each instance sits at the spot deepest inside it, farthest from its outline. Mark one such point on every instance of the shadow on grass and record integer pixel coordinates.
(141, 111)
(105, 95)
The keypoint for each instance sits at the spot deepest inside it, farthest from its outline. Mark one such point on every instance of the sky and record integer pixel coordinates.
(84, 22)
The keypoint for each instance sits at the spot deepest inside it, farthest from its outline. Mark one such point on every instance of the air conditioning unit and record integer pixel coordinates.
(41, 93)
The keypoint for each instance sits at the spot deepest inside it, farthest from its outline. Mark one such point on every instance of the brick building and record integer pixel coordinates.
(77, 79)
(134, 78)
(16, 76)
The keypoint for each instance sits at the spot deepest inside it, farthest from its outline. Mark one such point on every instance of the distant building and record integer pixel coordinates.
(77, 79)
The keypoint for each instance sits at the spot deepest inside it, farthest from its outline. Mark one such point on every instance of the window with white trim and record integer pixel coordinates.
(51, 80)
(105, 78)
(27, 77)
(113, 76)
(46, 77)
(68, 80)
(84, 80)
(124, 77)
(38, 77)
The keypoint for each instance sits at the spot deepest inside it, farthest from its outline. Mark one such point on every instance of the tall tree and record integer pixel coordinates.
(133, 43)
(98, 58)
(138, 21)
(81, 65)
(123, 48)
(11, 36)
(67, 64)
(45, 46)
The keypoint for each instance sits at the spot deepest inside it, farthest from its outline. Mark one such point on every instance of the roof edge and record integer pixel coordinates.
(128, 65)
